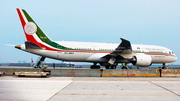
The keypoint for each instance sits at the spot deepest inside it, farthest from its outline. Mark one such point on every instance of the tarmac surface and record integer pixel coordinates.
(89, 88)
(87, 67)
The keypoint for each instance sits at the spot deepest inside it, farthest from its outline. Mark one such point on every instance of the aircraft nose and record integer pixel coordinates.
(174, 58)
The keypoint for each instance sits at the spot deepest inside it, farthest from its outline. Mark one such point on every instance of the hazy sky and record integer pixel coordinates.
(152, 22)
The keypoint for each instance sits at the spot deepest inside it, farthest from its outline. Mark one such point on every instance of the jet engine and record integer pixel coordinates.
(142, 60)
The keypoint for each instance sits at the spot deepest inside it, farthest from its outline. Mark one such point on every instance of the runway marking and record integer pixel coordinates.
(60, 90)
(164, 88)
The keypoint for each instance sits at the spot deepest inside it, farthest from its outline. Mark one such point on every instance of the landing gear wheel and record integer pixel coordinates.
(95, 67)
(98, 67)
(111, 67)
(92, 67)
(107, 67)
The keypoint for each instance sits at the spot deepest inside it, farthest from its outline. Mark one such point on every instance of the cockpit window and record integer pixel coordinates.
(169, 52)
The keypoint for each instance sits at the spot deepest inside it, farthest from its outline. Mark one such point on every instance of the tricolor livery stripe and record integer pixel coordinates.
(39, 37)
(42, 40)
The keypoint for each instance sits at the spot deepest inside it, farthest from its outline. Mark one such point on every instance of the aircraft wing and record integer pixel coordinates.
(123, 48)
(123, 51)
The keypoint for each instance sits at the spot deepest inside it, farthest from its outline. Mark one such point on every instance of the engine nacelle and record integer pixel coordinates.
(142, 60)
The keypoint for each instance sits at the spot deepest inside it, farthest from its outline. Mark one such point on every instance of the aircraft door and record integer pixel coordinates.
(58, 52)
(95, 49)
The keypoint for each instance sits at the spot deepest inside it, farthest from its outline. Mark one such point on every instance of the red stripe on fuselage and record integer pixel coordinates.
(159, 54)
(33, 40)
(82, 51)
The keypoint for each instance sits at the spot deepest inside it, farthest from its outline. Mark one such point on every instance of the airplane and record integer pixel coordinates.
(106, 54)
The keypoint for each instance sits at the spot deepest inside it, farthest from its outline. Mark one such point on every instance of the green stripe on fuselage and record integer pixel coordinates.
(155, 53)
(54, 44)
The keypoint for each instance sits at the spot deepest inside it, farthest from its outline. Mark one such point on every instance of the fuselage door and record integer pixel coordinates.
(59, 51)
(95, 49)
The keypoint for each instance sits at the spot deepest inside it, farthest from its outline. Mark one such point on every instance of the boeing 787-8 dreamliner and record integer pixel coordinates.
(106, 54)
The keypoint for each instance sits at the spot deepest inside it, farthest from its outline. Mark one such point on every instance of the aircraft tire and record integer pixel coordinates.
(107, 67)
(113, 67)
(98, 67)
(95, 67)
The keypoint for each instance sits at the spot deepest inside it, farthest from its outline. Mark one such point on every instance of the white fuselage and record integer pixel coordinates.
(98, 50)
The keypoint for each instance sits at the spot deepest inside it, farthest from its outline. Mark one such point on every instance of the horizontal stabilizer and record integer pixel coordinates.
(30, 45)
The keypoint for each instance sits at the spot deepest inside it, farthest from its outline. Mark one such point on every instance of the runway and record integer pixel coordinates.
(89, 88)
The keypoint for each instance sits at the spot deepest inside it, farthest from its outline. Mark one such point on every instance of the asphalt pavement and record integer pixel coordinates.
(89, 88)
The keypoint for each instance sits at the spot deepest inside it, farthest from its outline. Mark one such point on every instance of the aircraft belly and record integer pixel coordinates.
(91, 57)
(65, 56)
(96, 57)
(76, 56)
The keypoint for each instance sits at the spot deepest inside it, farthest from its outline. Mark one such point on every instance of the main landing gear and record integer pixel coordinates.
(95, 66)
(111, 66)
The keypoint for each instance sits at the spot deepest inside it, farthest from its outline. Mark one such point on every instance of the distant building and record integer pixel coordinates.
(20, 64)
(4, 64)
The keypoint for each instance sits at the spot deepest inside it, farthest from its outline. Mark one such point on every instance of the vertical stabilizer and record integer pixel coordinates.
(32, 31)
